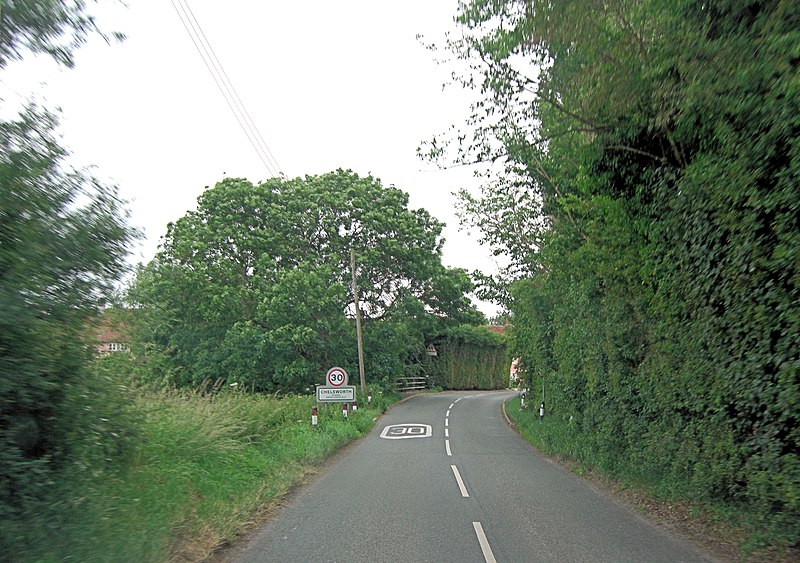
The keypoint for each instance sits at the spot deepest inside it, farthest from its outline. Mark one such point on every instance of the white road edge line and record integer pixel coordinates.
(485, 547)
(461, 486)
(446, 433)
(446, 422)
(447, 413)
(451, 405)
(457, 400)
(447, 447)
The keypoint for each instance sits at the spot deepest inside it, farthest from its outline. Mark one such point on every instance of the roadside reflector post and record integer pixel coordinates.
(541, 411)
(369, 397)
(344, 410)
(313, 416)
(355, 406)
(522, 400)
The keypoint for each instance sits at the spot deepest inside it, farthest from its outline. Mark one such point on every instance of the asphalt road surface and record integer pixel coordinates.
(443, 478)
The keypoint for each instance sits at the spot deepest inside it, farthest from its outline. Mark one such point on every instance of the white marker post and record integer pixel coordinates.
(355, 406)
(344, 410)
(313, 416)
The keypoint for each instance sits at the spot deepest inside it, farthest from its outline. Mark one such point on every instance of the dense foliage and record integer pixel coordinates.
(656, 143)
(255, 286)
(63, 239)
(468, 357)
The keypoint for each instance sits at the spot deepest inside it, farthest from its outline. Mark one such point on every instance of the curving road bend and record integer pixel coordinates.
(443, 478)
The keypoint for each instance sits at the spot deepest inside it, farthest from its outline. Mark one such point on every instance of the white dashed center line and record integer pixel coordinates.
(485, 547)
(488, 556)
(460, 482)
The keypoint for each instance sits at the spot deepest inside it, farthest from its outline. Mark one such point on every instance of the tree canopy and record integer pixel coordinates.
(256, 283)
(54, 27)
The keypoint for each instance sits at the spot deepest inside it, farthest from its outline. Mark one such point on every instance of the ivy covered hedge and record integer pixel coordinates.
(469, 357)
(658, 295)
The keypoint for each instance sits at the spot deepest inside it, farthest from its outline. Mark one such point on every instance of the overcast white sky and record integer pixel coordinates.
(342, 84)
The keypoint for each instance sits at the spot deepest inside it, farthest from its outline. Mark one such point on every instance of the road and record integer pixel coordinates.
(443, 478)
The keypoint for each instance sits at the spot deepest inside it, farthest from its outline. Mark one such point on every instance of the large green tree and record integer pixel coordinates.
(255, 286)
(656, 143)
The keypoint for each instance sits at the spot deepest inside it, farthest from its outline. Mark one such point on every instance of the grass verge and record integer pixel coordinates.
(200, 466)
(721, 529)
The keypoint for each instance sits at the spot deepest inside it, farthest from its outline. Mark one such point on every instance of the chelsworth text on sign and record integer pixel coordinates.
(336, 394)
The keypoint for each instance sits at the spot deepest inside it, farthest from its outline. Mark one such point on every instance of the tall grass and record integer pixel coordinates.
(198, 466)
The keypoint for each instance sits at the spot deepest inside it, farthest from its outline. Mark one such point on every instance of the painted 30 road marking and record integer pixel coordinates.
(405, 431)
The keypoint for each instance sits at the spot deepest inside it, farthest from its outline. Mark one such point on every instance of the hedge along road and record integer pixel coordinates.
(443, 478)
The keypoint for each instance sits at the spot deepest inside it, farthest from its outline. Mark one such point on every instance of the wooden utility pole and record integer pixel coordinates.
(358, 323)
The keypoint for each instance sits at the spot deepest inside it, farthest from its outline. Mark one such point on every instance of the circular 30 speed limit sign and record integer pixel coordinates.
(336, 377)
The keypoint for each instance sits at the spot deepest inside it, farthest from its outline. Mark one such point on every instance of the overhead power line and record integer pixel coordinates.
(215, 68)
